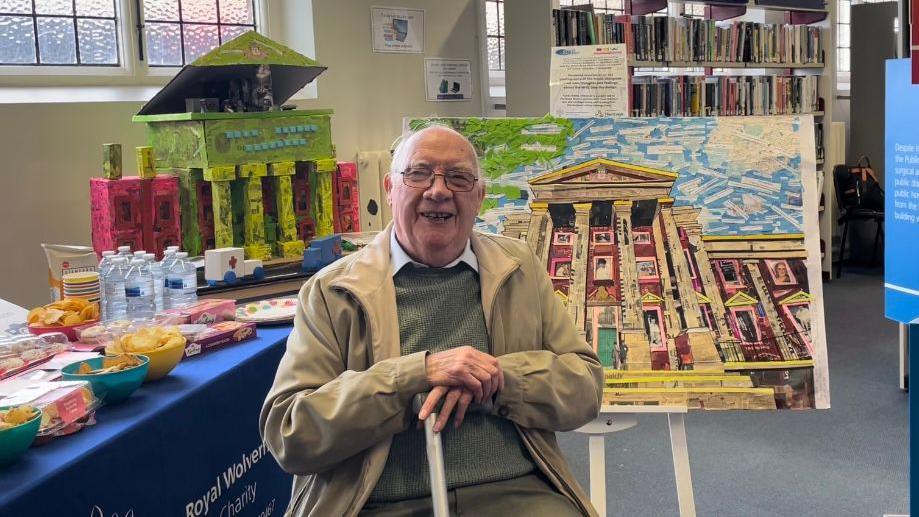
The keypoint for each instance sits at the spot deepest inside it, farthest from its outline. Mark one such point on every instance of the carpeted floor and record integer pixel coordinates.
(851, 460)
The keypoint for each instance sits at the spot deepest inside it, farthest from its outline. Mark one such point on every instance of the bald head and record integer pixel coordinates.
(400, 158)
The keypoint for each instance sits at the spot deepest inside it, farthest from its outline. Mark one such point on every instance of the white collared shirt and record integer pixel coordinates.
(400, 258)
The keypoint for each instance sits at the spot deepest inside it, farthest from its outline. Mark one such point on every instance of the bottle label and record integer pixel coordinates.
(135, 292)
(174, 283)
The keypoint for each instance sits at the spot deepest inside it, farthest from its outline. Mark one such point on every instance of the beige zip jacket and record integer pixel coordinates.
(342, 390)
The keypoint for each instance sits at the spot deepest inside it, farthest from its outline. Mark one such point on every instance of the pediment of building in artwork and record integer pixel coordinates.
(798, 297)
(601, 171)
(741, 299)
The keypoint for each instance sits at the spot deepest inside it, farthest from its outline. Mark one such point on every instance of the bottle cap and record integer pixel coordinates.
(122, 249)
(182, 254)
(108, 253)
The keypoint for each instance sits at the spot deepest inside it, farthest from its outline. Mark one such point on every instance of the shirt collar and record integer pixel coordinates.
(400, 258)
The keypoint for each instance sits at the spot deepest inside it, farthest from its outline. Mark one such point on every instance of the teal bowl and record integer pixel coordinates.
(113, 387)
(14, 442)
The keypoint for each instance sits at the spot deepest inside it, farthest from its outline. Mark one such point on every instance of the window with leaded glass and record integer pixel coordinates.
(179, 31)
(59, 32)
(494, 33)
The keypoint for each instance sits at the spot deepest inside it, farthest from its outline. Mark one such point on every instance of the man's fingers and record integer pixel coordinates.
(473, 384)
(461, 407)
(449, 403)
(431, 401)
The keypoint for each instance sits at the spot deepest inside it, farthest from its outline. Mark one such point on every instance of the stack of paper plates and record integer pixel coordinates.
(82, 285)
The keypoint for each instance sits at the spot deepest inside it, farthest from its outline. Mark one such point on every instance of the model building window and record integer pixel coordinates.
(800, 316)
(563, 239)
(654, 326)
(603, 237)
(58, 32)
(745, 319)
(647, 268)
(561, 268)
(603, 267)
(729, 271)
(179, 31)
(780, 272)
(641, 237)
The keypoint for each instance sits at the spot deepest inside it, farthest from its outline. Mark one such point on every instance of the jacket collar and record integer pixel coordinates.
(368, 277)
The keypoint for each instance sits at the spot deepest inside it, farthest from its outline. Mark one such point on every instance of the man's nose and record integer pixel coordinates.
(438, 190)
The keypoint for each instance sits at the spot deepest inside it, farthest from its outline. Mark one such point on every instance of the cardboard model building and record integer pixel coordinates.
(686, 250)
(251, 174)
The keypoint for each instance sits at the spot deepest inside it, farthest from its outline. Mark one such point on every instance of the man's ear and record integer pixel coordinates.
(387, 185)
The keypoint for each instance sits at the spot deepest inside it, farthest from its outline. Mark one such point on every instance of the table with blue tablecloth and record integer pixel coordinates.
(187, 445)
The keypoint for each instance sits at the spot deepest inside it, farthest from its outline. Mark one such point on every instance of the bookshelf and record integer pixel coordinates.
(530, 34)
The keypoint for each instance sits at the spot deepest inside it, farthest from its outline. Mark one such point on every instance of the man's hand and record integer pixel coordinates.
(465, 367)
(456, 397)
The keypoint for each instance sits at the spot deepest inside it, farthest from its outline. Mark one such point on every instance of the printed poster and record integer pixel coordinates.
(589, 81)
(448, 79)
(397, 30)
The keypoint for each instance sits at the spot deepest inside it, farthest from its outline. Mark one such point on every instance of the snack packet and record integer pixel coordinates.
(64, 259)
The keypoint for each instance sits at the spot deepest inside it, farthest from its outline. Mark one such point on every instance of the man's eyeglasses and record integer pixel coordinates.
(423, 178)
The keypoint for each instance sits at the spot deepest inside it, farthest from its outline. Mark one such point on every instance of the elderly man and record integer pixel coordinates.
(431, 306)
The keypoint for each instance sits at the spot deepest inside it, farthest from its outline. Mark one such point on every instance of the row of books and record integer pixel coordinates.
(573, 27)
(686, 40)
(692, 96)
(658, 38)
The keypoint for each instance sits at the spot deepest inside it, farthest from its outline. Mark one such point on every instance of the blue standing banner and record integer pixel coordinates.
(901, 264)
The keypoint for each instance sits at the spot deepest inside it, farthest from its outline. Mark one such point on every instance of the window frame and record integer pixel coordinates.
(131, 72)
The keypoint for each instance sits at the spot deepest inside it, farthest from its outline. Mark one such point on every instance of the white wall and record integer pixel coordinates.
(50, 151)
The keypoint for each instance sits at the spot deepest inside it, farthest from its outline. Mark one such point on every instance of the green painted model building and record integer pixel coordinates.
(219, 126)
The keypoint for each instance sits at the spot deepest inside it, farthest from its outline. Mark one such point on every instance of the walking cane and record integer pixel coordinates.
(435, 450)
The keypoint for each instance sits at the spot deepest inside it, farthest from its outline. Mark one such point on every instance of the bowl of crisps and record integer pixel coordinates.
(165, 346)
(18, 427)
(113, 378)
(64, 316)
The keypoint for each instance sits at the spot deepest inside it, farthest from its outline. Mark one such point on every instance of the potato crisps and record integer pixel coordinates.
(149, 339)
(110, 365)
(66, 312)
(16, 416)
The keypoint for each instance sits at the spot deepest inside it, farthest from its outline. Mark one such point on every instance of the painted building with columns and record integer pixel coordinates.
(677, 316)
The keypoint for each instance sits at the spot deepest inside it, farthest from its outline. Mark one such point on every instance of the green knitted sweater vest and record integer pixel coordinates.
(441, 309)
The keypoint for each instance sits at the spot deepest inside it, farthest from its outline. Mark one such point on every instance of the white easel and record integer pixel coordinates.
(620, 418)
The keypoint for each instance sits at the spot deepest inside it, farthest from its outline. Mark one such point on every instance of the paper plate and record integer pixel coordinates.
(274, 310)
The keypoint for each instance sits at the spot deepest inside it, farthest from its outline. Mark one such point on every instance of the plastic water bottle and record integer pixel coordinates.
(140, 254)
(181, 282)
(138, 290)
(169, 257)
(125, 251)
(115, 303)
(105, 265)
(159, 281)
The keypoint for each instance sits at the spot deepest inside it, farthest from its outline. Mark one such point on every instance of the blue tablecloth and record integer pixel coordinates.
(185, 445)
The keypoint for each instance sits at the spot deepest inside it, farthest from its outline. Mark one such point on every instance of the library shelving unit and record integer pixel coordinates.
(530, 34)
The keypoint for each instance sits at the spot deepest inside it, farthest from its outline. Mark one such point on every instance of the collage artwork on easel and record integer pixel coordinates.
(686, 249)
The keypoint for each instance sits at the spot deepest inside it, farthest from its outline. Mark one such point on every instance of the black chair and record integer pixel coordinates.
(848, 201)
